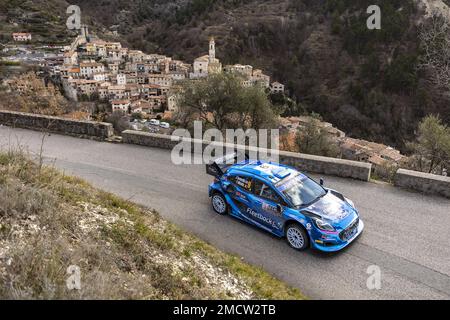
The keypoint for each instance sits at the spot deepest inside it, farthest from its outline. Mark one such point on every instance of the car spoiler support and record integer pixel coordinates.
(218, 167)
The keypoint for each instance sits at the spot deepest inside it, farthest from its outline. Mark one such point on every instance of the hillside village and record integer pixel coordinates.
(379, 155)
(133, 82)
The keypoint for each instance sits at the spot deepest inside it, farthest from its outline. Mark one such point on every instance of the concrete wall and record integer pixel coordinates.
(85, 129)
(149, 139)
(329, 166)
(423, 182)
(309, 163)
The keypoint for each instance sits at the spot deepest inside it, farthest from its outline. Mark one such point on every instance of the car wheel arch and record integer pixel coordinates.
(301, 226)
(216, 191)
(296, 222)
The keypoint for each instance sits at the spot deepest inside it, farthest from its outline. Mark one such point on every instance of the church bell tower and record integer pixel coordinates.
(212, 50)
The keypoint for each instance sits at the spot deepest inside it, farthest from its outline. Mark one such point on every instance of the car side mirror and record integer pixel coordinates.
(279, 208)
(322, 182)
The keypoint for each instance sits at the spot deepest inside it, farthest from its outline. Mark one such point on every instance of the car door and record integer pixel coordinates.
(241, 188)
(264, 204)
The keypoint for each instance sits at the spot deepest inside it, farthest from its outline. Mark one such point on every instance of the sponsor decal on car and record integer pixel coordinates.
(263, 218)
(269, 208)
(240, 195)
(244, 183)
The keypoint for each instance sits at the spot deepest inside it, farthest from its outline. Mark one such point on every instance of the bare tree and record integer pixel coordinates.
(434, 35)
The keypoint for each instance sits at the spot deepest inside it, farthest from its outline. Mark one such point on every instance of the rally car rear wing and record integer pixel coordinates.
(219, 166)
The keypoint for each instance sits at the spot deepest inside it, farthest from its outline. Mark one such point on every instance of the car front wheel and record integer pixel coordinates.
(297, 237)
(219, 204)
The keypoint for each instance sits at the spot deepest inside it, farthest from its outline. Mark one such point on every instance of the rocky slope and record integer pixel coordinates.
(52, 225)
(440, 6)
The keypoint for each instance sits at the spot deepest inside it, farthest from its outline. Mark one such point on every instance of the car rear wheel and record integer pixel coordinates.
(297, 237)
(219, 204)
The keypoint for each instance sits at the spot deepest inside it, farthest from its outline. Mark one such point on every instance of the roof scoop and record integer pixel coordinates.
(281, 175)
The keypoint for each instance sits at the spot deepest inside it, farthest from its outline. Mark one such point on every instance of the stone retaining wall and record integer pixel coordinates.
(423, 182)
(85, 129)
(309, 163)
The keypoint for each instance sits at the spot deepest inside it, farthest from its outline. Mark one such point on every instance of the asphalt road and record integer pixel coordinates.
(407, 234)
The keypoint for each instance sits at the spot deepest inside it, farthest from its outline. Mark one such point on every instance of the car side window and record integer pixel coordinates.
(245, 183)
(264, 191)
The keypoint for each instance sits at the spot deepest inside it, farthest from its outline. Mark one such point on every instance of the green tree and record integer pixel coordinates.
(431, 150)
(287, 106)
(136, 116)
(401, 74)
(313, 139)
(221, 101)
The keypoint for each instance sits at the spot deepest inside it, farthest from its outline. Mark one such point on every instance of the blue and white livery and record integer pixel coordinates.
(284, 202)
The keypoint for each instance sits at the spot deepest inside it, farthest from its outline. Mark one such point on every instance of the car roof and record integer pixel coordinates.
(269, 171)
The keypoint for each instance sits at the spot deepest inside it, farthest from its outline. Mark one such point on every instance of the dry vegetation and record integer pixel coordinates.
(49, 221)
(29, 93)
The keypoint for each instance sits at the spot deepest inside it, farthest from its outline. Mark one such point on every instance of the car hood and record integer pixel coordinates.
(331, 208)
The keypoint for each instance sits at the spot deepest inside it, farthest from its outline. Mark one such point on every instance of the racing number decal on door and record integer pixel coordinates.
(242, 187)
(243, 182)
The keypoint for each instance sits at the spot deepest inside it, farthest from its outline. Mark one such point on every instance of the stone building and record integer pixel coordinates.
(277, 87)
(207, 64)
(21, 36)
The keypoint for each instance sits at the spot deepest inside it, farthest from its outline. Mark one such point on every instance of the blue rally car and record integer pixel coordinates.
(285, 202)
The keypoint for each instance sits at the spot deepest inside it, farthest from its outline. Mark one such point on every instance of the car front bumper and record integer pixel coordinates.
(332, 243)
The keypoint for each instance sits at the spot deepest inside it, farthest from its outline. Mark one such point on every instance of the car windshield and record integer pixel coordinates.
(301, 190)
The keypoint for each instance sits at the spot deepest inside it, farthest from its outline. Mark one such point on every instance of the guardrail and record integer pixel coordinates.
(309, 163)
(423, 182)
(85, 129)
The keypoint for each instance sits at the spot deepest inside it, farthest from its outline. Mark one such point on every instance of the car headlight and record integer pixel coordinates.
(322, 225)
